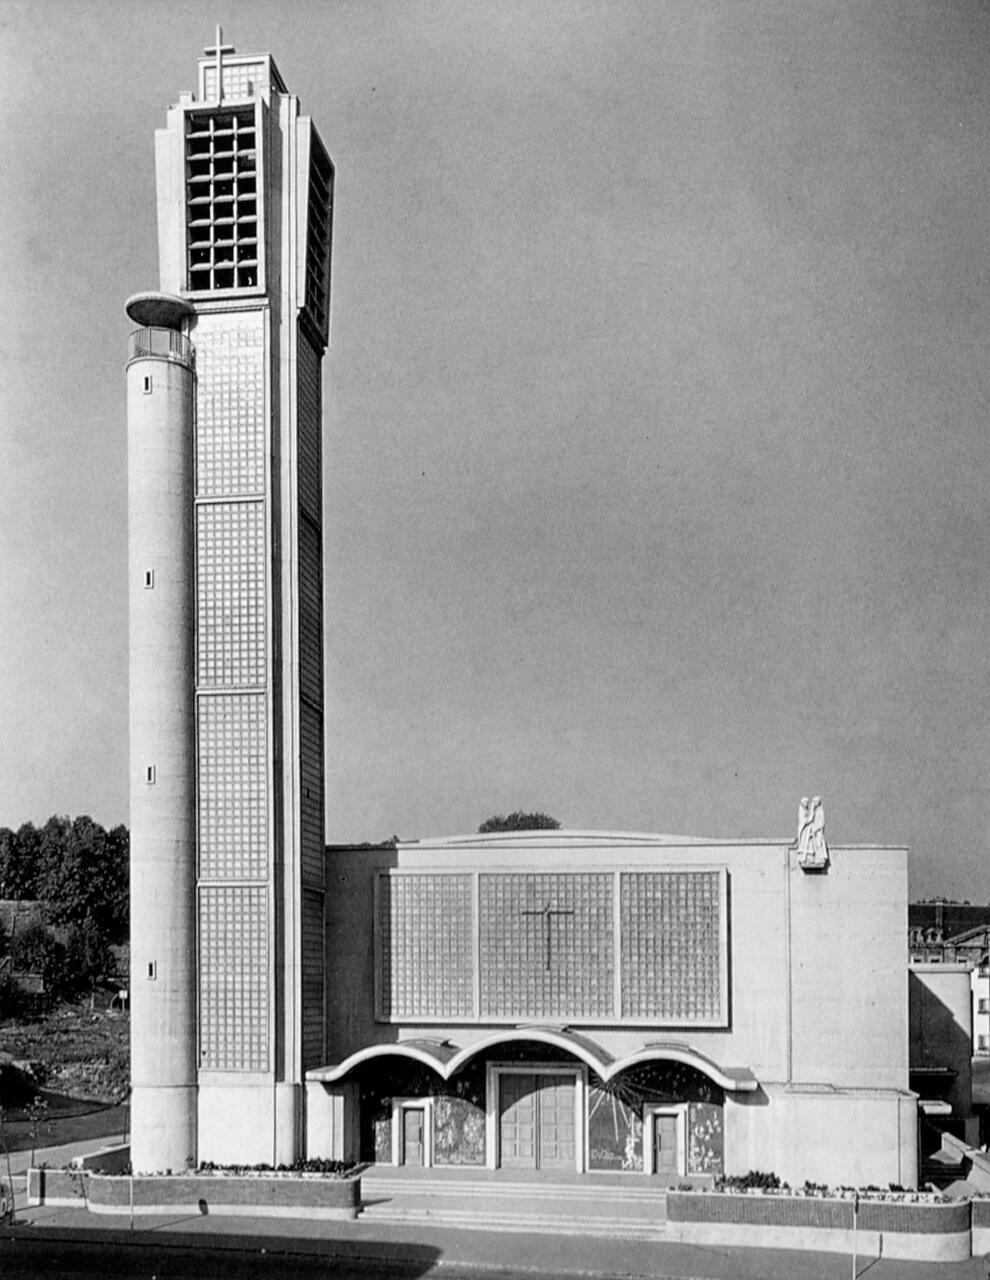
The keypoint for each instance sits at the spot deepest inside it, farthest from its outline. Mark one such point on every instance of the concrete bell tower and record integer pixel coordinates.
(224, 405)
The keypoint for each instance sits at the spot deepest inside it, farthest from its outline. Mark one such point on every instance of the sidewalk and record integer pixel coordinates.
(414, 1242)
(438, 1249)
(53, 1157)
(431, 1248)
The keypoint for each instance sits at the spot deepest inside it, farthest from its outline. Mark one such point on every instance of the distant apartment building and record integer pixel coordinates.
(942, 932)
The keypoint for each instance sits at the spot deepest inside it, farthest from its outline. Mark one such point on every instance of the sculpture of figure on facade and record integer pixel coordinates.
(811, 846)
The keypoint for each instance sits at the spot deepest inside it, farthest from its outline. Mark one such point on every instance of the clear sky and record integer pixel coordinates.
(656, 422)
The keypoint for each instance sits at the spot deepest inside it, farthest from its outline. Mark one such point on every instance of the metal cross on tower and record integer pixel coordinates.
(217, 51)
(547, 912)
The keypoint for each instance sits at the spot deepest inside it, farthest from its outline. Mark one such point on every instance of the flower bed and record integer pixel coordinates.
(897, 1224)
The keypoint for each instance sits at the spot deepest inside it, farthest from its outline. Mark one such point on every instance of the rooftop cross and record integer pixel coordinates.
(217, 51)
(546, 912)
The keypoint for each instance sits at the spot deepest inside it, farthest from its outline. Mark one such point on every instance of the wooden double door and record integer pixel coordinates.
(537, 1122)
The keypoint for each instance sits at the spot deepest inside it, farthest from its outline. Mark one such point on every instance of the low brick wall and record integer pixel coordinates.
(981, 1227)
(891, 1229)
(60, 1187)
(294, 1196)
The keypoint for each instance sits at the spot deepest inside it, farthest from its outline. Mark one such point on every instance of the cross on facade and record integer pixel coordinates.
(217, 52)
(546, 912)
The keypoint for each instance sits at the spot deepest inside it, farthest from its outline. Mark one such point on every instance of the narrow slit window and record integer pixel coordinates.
(149, 775)
(148, 384)
(149, 579)
(152, 970)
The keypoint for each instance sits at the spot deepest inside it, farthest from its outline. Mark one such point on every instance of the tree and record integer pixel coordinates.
(19, 862)
(84, 878)
(519, 822)
(88, 958)
(79, 872)
(35, 949)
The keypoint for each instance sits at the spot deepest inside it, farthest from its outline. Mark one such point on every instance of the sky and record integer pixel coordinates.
(655, 423)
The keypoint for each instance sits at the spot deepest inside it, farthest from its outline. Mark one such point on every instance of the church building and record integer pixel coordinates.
(553, 1000)
(581, 1001)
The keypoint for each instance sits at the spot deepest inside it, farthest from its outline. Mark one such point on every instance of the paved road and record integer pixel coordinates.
(29, 1258)
(69, 1244)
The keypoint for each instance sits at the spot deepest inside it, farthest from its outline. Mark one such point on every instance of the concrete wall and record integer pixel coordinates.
(849, 971)
(162, 761)
(225, 1134)
(940, 1005)
(839, 1138)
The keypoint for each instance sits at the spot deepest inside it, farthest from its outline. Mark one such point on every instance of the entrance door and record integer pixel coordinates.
(413, 1136)
(536, 1121)
(665, 1144)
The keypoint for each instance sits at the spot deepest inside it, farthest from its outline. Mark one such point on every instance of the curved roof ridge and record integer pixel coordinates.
(447, 1059)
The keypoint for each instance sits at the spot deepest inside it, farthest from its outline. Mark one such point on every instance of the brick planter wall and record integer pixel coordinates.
(981, 1227)
(926, 1232)
(293, 1196)
(64, 1187)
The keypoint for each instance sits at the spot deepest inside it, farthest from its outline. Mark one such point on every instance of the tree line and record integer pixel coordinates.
(77, 872)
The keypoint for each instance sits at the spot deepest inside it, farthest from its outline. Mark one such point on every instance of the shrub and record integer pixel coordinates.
(754, 1180)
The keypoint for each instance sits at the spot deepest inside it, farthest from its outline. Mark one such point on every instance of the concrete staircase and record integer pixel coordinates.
(489, 1201)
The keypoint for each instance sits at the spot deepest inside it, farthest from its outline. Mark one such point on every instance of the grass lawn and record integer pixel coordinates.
(66, 1120)
(82, 1058)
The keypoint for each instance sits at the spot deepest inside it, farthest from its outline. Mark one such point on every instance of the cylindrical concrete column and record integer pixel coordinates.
(160, 397)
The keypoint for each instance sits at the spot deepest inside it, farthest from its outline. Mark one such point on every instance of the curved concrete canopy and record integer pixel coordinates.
(154, 310)
(446, 1059)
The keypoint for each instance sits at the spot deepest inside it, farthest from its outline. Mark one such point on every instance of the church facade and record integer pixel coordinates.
(589, 1002)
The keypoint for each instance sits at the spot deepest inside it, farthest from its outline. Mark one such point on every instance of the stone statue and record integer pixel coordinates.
(811, 844)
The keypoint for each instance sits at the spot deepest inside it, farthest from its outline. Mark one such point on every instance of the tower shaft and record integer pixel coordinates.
(160, 389)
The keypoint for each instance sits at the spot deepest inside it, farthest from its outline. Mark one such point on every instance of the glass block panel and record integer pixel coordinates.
(546, 944)
(425, 933)
(233, 978)
(230, 594)
(672, 946)
(239, 81)
(230, 409)
(232, 751)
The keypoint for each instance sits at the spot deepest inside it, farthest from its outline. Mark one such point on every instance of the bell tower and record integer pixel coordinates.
(227, 877)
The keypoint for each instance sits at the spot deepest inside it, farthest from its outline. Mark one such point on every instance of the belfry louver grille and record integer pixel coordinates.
(222, 235)
(318, 234)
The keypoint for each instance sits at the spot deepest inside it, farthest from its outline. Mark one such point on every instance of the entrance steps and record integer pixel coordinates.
(494, 1201)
